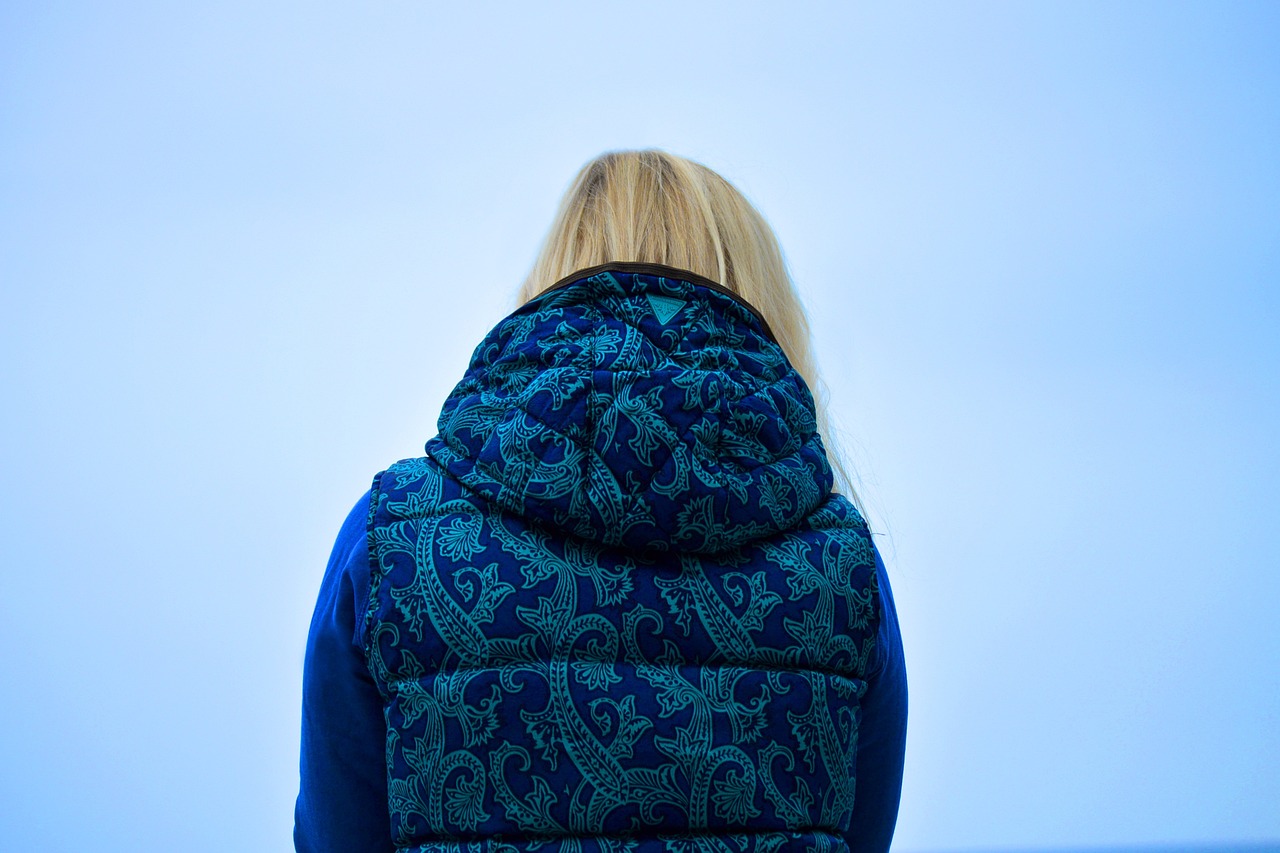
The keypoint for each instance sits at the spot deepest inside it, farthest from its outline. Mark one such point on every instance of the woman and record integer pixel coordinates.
(617, 605)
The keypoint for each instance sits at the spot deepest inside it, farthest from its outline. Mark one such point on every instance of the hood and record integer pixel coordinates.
(637, 406)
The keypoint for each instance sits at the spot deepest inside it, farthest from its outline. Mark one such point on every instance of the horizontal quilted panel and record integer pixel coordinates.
(761, 842)
(575, 747)
(541, 685)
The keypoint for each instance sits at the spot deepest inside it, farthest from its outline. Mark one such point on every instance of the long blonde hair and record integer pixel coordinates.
(654, 207)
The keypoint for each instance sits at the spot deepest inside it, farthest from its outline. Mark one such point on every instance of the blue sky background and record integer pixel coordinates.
(245, 251)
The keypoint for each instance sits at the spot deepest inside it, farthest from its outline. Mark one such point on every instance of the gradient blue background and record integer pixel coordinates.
(1041, 248)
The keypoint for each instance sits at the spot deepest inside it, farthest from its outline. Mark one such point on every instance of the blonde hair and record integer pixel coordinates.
(654, 207)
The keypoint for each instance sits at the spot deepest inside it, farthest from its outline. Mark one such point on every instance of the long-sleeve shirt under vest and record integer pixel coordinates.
(342, 803)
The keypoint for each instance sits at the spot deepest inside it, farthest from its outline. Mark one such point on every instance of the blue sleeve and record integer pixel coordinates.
(342, 798)
(882, 735)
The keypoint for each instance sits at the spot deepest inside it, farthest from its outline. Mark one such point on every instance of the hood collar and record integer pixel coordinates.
(637, 406)
(661, 271)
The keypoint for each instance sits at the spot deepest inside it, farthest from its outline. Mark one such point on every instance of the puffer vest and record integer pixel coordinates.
(616, 606)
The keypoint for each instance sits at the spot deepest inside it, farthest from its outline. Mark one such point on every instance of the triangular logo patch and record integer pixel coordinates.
(665, 307)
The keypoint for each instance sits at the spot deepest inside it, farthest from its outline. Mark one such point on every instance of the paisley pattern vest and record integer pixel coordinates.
(616, 606)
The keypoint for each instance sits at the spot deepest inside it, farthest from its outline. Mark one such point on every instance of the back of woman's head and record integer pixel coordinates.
(654, 207)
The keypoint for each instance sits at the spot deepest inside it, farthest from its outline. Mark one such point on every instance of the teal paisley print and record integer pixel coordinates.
(617, 606)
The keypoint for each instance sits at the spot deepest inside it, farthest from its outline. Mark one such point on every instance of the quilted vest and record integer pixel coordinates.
(616, 606)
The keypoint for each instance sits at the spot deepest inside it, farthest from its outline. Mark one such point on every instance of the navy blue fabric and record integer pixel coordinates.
(616, 605)
(342, 805)
(342, 801)
(882, 738)
(591, 412)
